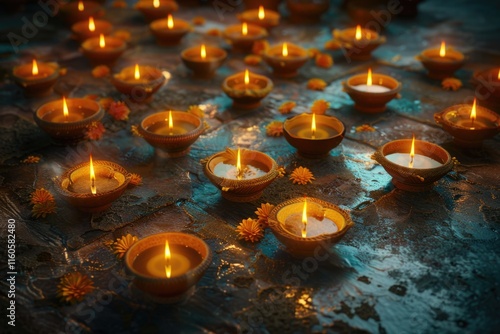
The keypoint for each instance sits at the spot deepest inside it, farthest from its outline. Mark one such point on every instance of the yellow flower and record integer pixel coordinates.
(301, 175)
(198, 20)
(121, 245)
(319, 107)
(40, 196)
(316, 84)
(43, 209)
(100, 71)
(313, 52)
(249, 230)
(323, 60)
(451, 84)
(263, 213)
(214, 32)
(365, 128)
(135, 132)
(124, 35)
(196, 110)
(252, 60)
(95, 131)
(281, 171)
(119, 111)
(31, 160)
(74, 286)
(274, 129)
(286, 107)
(135, 179)
(332, 45)
(260, 46)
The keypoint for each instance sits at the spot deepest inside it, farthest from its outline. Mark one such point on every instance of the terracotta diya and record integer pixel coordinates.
(441, 63)
(242, 37)
(139, 82)
(487, 84)
(247, 89)
(358, 42)
(169, 31)
(76, 11)
(307, 11)
(36, 78)
(156, 9)
(203, 60)
(91, 28)
(286, 59)
(103, 49)
(261, 17)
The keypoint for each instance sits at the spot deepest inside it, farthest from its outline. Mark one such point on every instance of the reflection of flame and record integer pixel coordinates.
(102, 42)
(247, 77)
(412, 152)
(304, 218)
(369, 78)
(358, 32)
(284, 50)
(313, 126)
(473, 112)
(80, 6)
(137, 72)
(91, 24)
(93, 188)
(170, 21)
(170, 121)
(65, 108)
(442, 50)
(168, 266)
(244, 29)
(156, 3)
(34, 70)
(203, 51)
(262, 13)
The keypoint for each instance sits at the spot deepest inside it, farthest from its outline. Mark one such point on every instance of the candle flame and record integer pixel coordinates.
(93, 188)
(170, 121)
(203, 51)
(498, 75)
(473, 112)
(137, 72)
(262, 13)
(247, 77)
(238, 163)
(358, 32)
(102, 41)
(34, 70)
(168, 257)
(412, 152)
(313, 126)
(284, 50)
(81, 7)
(442, 50)
(369, 78)
(170, 21)
(244, 29)
(304, 219)
(65, 108)
(91, 24)
(156, 3)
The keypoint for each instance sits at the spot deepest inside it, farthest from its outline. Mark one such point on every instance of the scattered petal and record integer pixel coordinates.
(316, 84)
(250, 230)
(274, 129)
(259, 47)
(31, 160)
(124, 35)
(214, 32)
(281, 171)
(105, 102)
(198, 20)
(263, 213)
(121, 245)
(286, 107)
(95, 131)
(365, 128)
(40, 196)
(333, 45)
(74, 286)
(451, 84)
(323, 60)
(135, 131)
(135, 179)
(252, 60)
(319, 107)
(119, 111)
(301, 175)
(100, 71)
(196, 110)
(43, 209)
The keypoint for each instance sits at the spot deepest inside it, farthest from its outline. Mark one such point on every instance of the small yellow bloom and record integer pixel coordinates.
(332, 45)
(135, 179)
(319, 107)
(100, 71)
(214, 32)
(121, 245)
(31, 160)
(323, 60)
(250, 230)
(286, 107)
(301, 175)
(252, 60)
(74, 286)
(274, 129)
(260, 46)
(196, 110)
(451, 84)
(263, 213)
(198, 20)
(135, 131)
(316, 84)
(41, 195)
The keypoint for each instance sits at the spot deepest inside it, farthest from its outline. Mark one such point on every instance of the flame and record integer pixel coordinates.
(156, 3)
(442, 50)
(498, 75)
(304, 219)
(203, 51)
(93, 188)
(170, 121)
(412, 152)
(473, 112)
(284, 50)
(170, 21)
(358, 32)
(244, 29)
(102, 41)
(369, 78)
(247, 77)
(34, 70)
(137, 72)
(313, 125)
(168, 257)
(65, 108)
(81, 7)
(238, 162)
(262, 13)
(91, 24)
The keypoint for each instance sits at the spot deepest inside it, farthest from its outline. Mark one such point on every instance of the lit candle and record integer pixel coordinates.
(358, 35)
(156, 3)
(284, 50)
(91, 24)
(91, 28)
(94, 178)
(304, 219)
(203, 60)
(103, 49)
(102, 41)
(467, 117)
(312, 130)
(34, 69)
(286, 59)
(262, 13)
(168, 127)
(238, 170)
(81, 7)
(247, 89)
(370, 87)
(413, 160)
(307, 225)
(168, 260)
(244, 30)
(441, 62)
(93, 188)
(264, 18)
(170, 22)
(63, 115)
(156, 9)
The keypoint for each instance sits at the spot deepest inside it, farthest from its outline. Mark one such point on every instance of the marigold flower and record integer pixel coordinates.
(135, 131)
(214, 32)
(286, 107)
(281, 171)
(121, 245)
(196, 110)
(135, 179)
(332, 45)
(260, 46)
(41, 195)
(252, 60)
(119, 111)
(319, 107)
(274, 129)
(198, 20)
(316, 84)
(451, 84)
(263, 213)
(95, 131)
(250, 230)
(43, 209)
(31, 160)
(301, 175)
(74, 286)
(323, 60)
(365, 128)
(100, 71)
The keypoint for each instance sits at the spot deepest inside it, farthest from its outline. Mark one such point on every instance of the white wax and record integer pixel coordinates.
(419, 161)
(372, 88)
(315, 227)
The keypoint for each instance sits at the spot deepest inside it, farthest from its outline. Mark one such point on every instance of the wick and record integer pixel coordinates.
(411, 162)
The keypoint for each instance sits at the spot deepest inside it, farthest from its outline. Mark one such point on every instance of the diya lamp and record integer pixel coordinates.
(314, 136)
(358, 42)
(441, 63)
(91, 28)
(241, 176)
(103, 49)
(286, 59)
(370, 92)
(247, 89)
(271, 4)
(307, 11)
(156, 9)
(77, 11)
(469, 125)
(203, 60)
(487, 84)
(93, 186)
(306, 224)
(166, 266)
(67, 120)
(139, 82)
(171, 131)
(242, 37)
(169, 31)
(414, 164)
(36, 78)
(261, 17)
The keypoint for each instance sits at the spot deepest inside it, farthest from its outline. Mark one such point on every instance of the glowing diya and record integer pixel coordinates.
(91, 28)
(169, 31)
(156, 9)
(286, 59)
(442, 62)
(36, 78)
(247, 89)
(203, 60)
(139, 82)
(469, 125)
(242, 37)
(358, 42)
(76, 11)
(261, 17)
(307, 11)
(103, 49)
(487, 84)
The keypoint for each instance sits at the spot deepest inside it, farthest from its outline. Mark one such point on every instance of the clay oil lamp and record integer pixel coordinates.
(271, 4)
(139, 82)
(166, 266)
(469, 125)
(370, 92)
(413, 164)
(442, 62)
(91, 28)
(314, 136)
(247, 89)
(93, 186)
(203, 60)
(67, 120)
(308, 225)
(103, 49)
(76, 11)
(307, 11)
(261, 17)
(171, 131)
(156, 9)
(358, 42)
(487, 84)
(241, 175)
(242, 37)
(36, 78)
(286, 59)
(169, 31)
